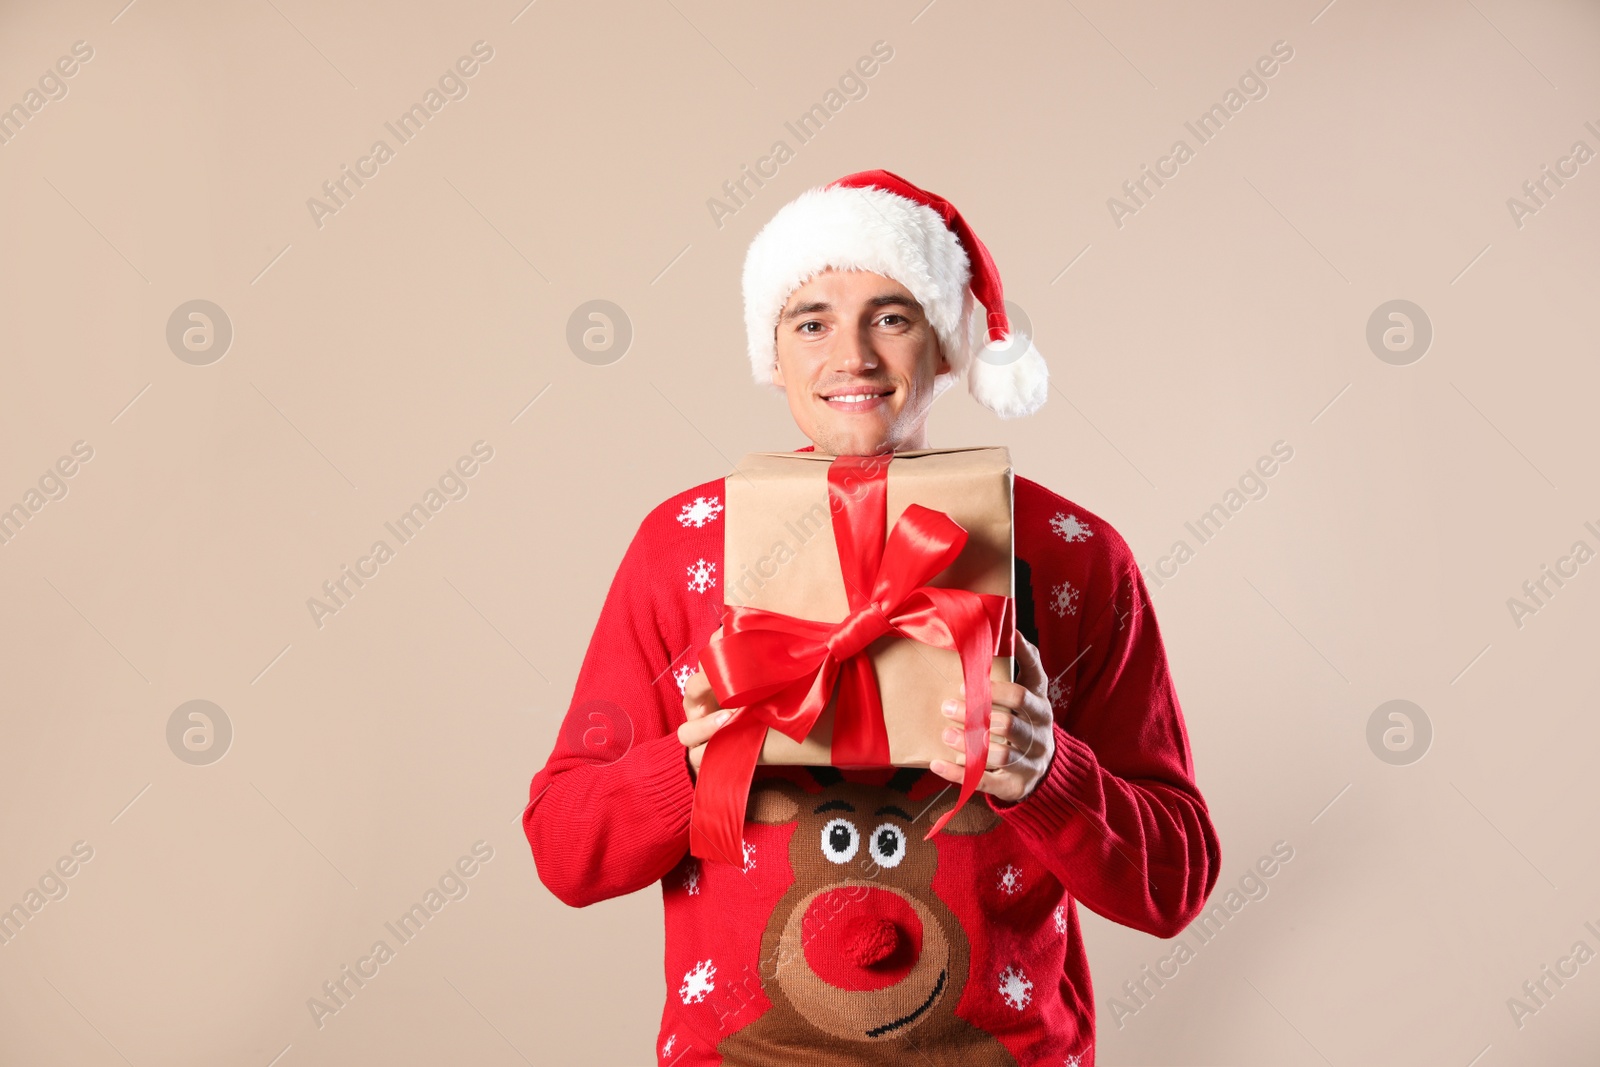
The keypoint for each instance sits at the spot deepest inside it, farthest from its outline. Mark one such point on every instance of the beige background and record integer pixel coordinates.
(368, 354)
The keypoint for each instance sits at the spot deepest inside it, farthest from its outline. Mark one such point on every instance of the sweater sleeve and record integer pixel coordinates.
(1117, 818)
(609, 813)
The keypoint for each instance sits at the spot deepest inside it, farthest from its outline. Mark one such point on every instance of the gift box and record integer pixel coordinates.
(860, 593)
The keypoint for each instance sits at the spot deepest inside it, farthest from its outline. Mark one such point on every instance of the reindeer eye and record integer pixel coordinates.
(888, 845)
(840, 840)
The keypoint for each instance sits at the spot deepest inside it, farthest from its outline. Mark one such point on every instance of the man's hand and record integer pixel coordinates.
(1022, 738)
(705, 716)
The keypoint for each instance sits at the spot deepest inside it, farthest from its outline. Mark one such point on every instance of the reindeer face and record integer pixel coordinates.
(861, 947)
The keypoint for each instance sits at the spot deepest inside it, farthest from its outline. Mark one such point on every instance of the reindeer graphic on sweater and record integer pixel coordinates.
(866, 963)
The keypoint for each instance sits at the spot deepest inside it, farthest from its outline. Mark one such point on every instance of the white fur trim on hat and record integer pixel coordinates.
(857, 229)
(872, 229)
(1008, 384)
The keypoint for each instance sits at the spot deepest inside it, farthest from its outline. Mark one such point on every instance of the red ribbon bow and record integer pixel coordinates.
(780, 670)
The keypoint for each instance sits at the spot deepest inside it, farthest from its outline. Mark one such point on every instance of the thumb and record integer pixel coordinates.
(1030, 668)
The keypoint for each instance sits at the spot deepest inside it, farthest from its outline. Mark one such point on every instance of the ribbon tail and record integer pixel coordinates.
(722, 790)
(1003, 614)
(860, 736)
(973, 630)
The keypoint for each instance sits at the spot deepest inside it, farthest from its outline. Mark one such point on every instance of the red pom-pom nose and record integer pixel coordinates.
(869, 941)
(860, 938)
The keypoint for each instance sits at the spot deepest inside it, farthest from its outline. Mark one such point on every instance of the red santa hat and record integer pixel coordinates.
(877, 221)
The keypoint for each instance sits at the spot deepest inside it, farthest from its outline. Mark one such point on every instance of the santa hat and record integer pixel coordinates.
(877, 221)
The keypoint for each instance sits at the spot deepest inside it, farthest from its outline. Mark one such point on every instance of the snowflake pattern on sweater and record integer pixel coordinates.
(702, 575)
(1070, 527)
(1058, 692)
(1064, 599)
(959, 950)
(1015, 989)
(699, 511)
(683, 673)
(699, 982)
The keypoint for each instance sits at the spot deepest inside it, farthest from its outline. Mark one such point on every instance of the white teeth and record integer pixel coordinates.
(854, 398)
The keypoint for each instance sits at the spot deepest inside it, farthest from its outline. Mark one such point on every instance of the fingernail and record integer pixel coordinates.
(963, 689)
(724, 717)
(950, 706)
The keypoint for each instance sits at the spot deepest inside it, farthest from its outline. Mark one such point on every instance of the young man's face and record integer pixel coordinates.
(855, 333)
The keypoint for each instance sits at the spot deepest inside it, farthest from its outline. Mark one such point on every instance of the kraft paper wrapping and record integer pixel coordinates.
(780, 555)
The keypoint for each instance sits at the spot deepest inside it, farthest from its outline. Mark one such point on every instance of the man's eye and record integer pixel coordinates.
(813, 322)
(898, 319)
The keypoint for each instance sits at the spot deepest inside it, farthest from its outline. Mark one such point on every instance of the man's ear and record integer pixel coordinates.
(773, 802)
(777, 374)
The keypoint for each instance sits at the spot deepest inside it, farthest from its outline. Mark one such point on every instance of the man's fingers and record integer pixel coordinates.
(1016, 696)
(1011, 741)
(698, 697)
(1020, 738)
(1000, 756)
(1013, 708)
(1002, 733)
(993, 782)
(1005, 726)
(698, 731)
(1009, 734)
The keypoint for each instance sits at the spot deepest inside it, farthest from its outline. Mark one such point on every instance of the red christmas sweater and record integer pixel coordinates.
(846, 938)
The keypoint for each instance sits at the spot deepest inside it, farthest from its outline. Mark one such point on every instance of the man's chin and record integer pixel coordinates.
(856, 443)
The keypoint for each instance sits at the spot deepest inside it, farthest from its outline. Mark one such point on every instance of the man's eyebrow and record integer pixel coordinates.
(890, 809)
(806, 309)
(883, 300)
(834, 805)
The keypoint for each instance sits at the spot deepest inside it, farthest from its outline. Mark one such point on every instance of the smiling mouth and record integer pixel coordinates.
(938, 987)
(857, 401)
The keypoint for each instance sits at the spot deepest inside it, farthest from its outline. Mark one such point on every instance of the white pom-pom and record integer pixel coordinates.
(1009, 384)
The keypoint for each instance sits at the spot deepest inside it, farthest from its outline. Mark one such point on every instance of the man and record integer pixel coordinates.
(844, 937)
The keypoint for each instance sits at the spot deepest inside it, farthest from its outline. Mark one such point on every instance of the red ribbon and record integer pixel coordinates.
(779, 670)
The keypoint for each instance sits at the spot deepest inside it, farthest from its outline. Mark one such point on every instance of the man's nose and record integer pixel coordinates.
(853, 353)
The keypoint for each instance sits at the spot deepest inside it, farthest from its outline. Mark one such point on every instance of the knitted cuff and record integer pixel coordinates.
(664, 770)
(1070, 789)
